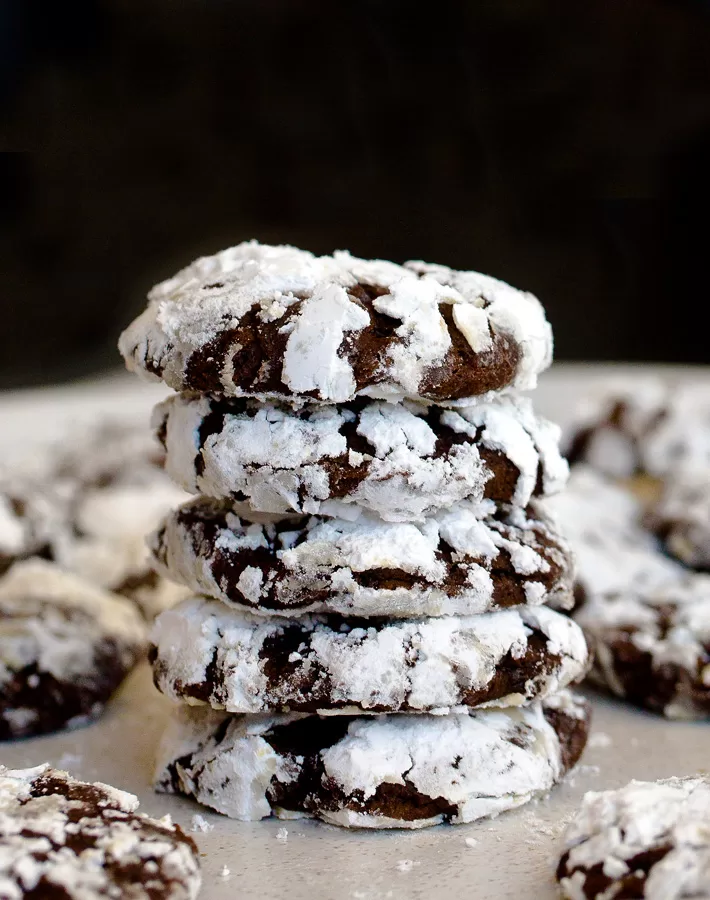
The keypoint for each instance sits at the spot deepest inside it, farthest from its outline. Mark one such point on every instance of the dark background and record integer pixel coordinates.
(560, 146)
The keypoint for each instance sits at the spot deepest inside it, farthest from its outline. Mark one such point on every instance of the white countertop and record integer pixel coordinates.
(515, 854)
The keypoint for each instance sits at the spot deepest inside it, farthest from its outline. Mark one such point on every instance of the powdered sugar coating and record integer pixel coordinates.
(651, 427)
(65, 645)
(33, 517)
(461, 561)
(682, 518)
(380, 772)
(649, 839)
(653, 647)
(646, 618)
(118, 491)
(107, 543)
(614, 553)
(400, 461)
(207, 653)
(64, 838)
(331, 327)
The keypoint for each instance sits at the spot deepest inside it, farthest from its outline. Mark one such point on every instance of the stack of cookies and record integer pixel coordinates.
(368, 642)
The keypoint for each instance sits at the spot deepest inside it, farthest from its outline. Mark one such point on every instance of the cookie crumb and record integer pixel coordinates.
(282, 835)
(599, 739)
(225, 873)
(406, 865)
(471, 842)
(199, 823)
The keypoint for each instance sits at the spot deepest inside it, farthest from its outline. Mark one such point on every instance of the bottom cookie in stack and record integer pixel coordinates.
(387, 771)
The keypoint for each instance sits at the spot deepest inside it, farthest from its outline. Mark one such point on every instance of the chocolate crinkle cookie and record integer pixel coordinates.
(89, 511)
(681, 518)
(205, 652)
(650, 427)
(653, 648)
(63, 839)
(460, 562)
(118, 492)
(646, 617)
(647, 839)
(614, 553)
(402, 771)
(33, 518)
(399, 461)
(65, 646)
(277, 322)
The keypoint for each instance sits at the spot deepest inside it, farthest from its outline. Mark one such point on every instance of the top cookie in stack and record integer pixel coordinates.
(281, 324)
(354, 431)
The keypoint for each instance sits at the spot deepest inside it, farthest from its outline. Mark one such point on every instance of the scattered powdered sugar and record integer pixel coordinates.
(225, 872)
(282, 835)
(199, 823)
(599, 740)
(406, 865)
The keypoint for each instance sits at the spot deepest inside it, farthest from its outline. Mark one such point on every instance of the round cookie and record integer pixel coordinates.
(653, 648)
(65, 646)
(204, 652)
(681, 518)
(652, 428)
(63, 838)
(647, 839)
(400, 461)
(455, 563)
(404, 771)
(611, 427)
(614, 553)
(32, 517)
(277, 322)
(118, 492)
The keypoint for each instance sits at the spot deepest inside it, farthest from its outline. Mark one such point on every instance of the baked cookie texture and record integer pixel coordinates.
(637, 514)
(63, 838)
(647, 839)
(459, 562)
(278, 322)
(89, 509)
(32, 518)
(204, 652)
(369, 640)
(653, 648)
(681, 518)
(401, 771)
(65, 646)
(646, 617)
(401, 462)
(652, 428)
(659, 435)
(614, 553)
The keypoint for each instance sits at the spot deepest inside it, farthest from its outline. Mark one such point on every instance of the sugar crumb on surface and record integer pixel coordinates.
(199, 823)
(406, 865)
(600, 740)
